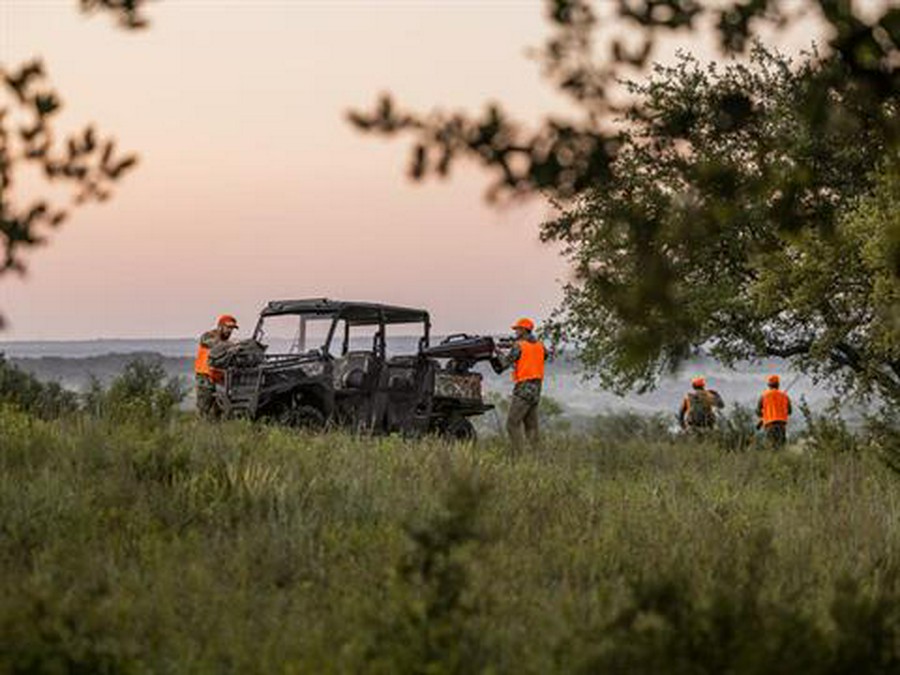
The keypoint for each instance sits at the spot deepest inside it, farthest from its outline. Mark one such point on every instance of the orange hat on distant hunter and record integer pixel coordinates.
(226, 320)
(527, 324)
(698, 382)
(773, 379)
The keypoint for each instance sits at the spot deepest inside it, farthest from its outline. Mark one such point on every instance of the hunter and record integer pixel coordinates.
(773, 410)
(698, 408)
(207, 377)
(526, 356)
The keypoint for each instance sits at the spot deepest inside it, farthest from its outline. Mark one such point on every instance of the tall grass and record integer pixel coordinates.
(185, 547)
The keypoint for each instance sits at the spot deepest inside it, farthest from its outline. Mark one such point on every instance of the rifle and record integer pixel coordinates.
(462, 351)
(505, 342)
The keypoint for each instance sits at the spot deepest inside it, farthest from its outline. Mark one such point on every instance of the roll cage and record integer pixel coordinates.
(352, 314)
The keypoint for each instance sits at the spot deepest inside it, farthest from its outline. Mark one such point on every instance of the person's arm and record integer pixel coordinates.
(209, 339)
(790, 408)
(682, 412)
(717, 399)
(504, 361)
(219, 349)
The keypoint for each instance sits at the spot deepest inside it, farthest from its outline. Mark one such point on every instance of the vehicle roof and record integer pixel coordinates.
(358, 313)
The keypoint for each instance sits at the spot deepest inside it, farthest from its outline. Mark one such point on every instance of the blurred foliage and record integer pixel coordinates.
(565, 156)
(735, 627)
(191, 547)
(25, 392)
(86, 163)
(83, 161)
(707, 206)
(429, 628)
(142, 393)
(127, 13)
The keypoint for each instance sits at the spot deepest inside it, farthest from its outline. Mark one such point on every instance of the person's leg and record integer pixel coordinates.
(207, 406)
(780, 435)
(518, 409)
(204, 398)
(532, 426)
(775, 436)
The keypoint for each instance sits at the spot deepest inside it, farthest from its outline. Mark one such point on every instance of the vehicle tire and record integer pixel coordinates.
(459, 429)
(303, 417)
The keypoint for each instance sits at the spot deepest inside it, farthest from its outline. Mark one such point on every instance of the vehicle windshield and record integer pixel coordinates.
(292, 333)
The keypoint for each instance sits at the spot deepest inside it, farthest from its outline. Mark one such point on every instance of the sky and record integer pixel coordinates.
(252, 186)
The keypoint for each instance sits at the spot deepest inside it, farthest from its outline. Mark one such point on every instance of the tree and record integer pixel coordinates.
(678, 204)
(684, 226)
(84, 161)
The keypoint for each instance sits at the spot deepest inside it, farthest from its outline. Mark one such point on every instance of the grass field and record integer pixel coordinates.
(183, 547)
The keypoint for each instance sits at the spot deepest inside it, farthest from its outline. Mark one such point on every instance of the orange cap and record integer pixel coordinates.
(227, 320)
(773, 379)
(698, 382)
(527, 324)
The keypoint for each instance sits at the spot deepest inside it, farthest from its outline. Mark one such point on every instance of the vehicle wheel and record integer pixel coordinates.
(304, 417)
(459, 429)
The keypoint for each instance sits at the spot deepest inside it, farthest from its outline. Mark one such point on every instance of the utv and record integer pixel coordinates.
(317, 363)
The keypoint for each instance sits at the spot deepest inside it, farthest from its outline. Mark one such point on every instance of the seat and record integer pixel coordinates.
(355, 370)
(402, 373)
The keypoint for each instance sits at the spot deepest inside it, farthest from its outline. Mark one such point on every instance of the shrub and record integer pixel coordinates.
(737, 429)
(882, 435)
(141, 392)
(669, 626)
(828, 431)
(429, 629)
(622, 427)
(26, 392)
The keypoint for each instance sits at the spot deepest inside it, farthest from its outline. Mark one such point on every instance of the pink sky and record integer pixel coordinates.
(251, 184)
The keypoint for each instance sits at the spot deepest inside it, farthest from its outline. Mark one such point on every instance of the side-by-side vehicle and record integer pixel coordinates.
(317, 362)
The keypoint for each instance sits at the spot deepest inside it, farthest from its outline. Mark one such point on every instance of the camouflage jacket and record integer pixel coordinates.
(217, 347)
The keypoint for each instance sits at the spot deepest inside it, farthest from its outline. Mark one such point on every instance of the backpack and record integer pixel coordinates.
(700, 409)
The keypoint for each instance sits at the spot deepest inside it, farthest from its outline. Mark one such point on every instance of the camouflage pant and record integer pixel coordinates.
(776, 434)
(207, 406)
(523, 414)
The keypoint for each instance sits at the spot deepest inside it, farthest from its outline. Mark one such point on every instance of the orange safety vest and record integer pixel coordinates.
(201, 363)
(775, 406)
(202, 367)
(530, 365)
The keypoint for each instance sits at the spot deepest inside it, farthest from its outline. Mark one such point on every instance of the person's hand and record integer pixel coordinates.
(496, 365)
